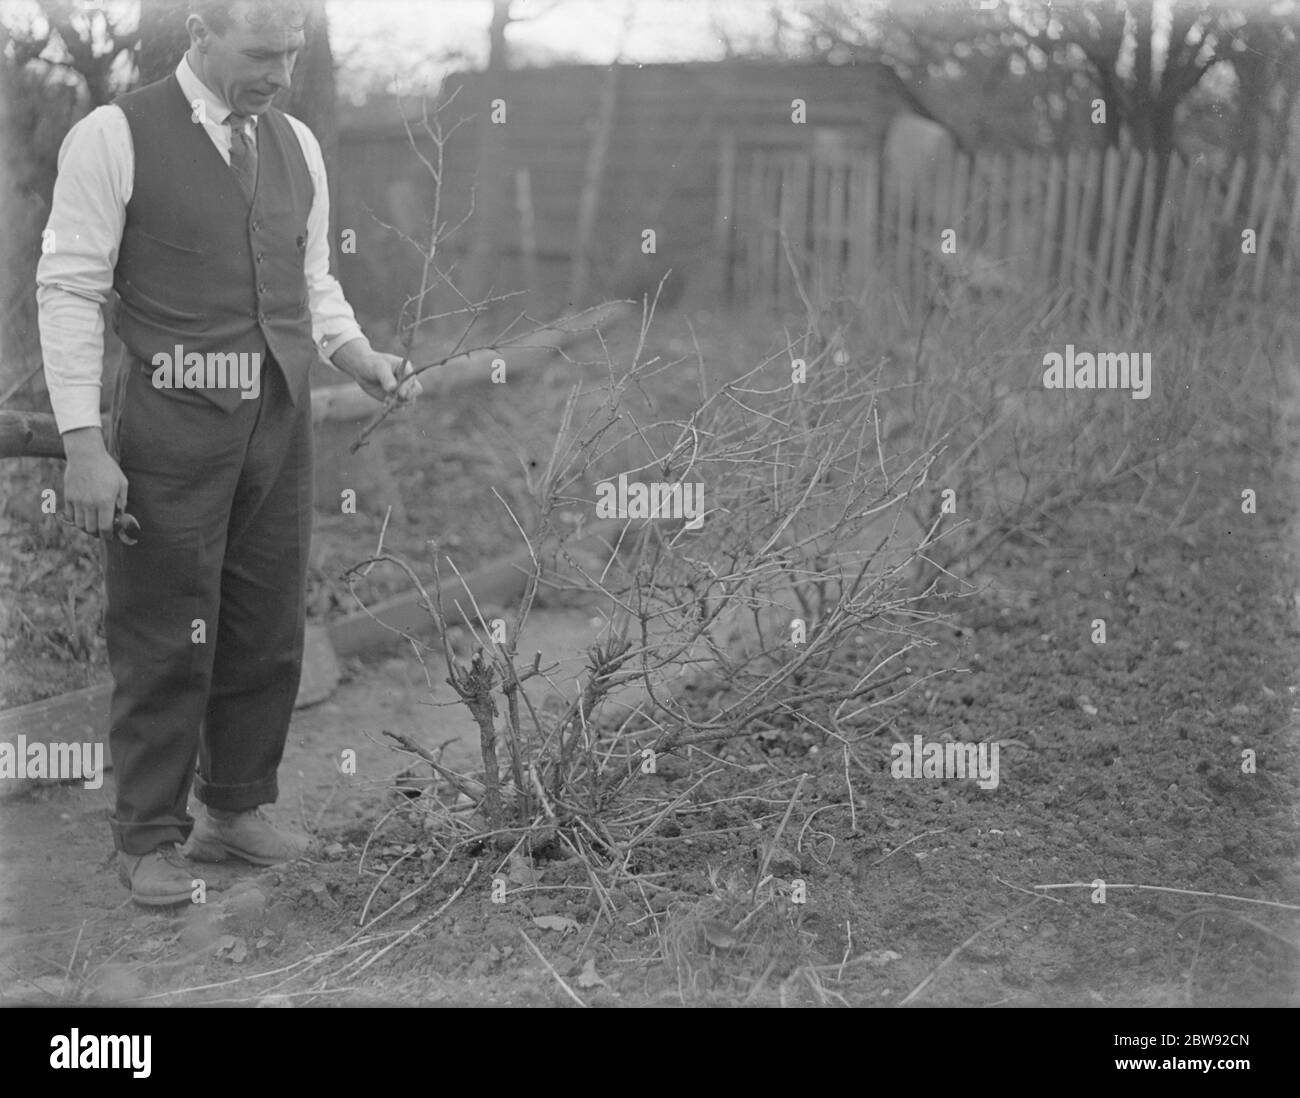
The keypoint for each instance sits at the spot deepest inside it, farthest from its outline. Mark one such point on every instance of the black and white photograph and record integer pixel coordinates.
(651, 503)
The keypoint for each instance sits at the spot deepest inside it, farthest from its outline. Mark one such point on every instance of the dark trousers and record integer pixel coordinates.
(205, 615)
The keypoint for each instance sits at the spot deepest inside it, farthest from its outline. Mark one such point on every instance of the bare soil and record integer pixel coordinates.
(1119, 762)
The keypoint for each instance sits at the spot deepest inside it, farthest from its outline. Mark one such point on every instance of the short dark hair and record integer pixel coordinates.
(219, 15)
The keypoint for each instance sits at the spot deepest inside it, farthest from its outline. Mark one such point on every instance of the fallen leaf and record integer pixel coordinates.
(522, 872)
(588, 977)
(236, 949)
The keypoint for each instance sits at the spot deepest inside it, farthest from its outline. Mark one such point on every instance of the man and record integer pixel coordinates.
(207, 210)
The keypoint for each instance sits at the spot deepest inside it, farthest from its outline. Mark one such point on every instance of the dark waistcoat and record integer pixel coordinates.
(199, 266)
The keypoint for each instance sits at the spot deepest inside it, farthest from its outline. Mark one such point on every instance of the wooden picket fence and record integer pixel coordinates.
(1101, 231)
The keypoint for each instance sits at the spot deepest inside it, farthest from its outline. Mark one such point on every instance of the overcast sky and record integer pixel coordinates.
(409, 39)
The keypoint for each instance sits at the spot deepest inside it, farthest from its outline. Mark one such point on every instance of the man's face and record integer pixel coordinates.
(251, 60)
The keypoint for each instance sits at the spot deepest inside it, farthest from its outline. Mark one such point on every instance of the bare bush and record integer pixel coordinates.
(787, 603)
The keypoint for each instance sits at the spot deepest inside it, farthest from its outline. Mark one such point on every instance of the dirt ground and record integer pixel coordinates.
(1120, 762)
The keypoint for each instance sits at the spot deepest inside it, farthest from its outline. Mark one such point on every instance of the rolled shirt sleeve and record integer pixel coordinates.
(78, 253)
(332, 320)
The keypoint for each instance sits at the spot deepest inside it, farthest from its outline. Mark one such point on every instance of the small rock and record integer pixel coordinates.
(1240, 711)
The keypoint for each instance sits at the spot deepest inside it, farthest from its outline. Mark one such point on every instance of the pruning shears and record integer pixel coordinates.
(124, 525)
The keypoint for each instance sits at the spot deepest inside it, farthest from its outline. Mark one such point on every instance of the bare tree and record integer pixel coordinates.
(505, 12)
(1265, 56)
(78, 39)
(162, 38)
(1142, 96)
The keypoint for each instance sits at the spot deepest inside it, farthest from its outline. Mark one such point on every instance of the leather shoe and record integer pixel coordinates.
(247, 835)
(160, 878)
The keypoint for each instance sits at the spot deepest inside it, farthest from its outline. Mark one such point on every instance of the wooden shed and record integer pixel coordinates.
(586, 160)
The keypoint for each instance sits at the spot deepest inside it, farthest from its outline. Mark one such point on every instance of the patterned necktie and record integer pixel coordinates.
(243, 153)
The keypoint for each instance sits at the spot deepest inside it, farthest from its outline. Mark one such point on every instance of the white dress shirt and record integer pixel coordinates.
(84, 231)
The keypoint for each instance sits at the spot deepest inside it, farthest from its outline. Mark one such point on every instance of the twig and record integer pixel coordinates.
(909, 842)
(1179, 892)
(767, 854)
(361, 919)
(551, 969)
(472, 789)
(423, 922)
(916, 991)
(853, 812)
(379, 547)
(67, 976)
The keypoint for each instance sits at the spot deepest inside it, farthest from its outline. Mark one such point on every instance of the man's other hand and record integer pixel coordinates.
(375, 371)
(94, 487)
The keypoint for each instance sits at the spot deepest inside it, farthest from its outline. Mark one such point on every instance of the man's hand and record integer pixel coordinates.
(375, 371)
(94, 487)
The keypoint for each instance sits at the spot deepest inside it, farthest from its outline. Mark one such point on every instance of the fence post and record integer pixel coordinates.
(1161, 264)
(1083, 240)
(868, 191)
(1292, 231)
(1123, 235)
(1142, 258)
(724, 220)
(592, 184)
(1266, 231)
(1105, 237)
(1041, 270)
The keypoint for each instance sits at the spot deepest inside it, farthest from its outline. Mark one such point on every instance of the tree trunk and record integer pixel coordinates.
(498, 49)
(163, 38)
